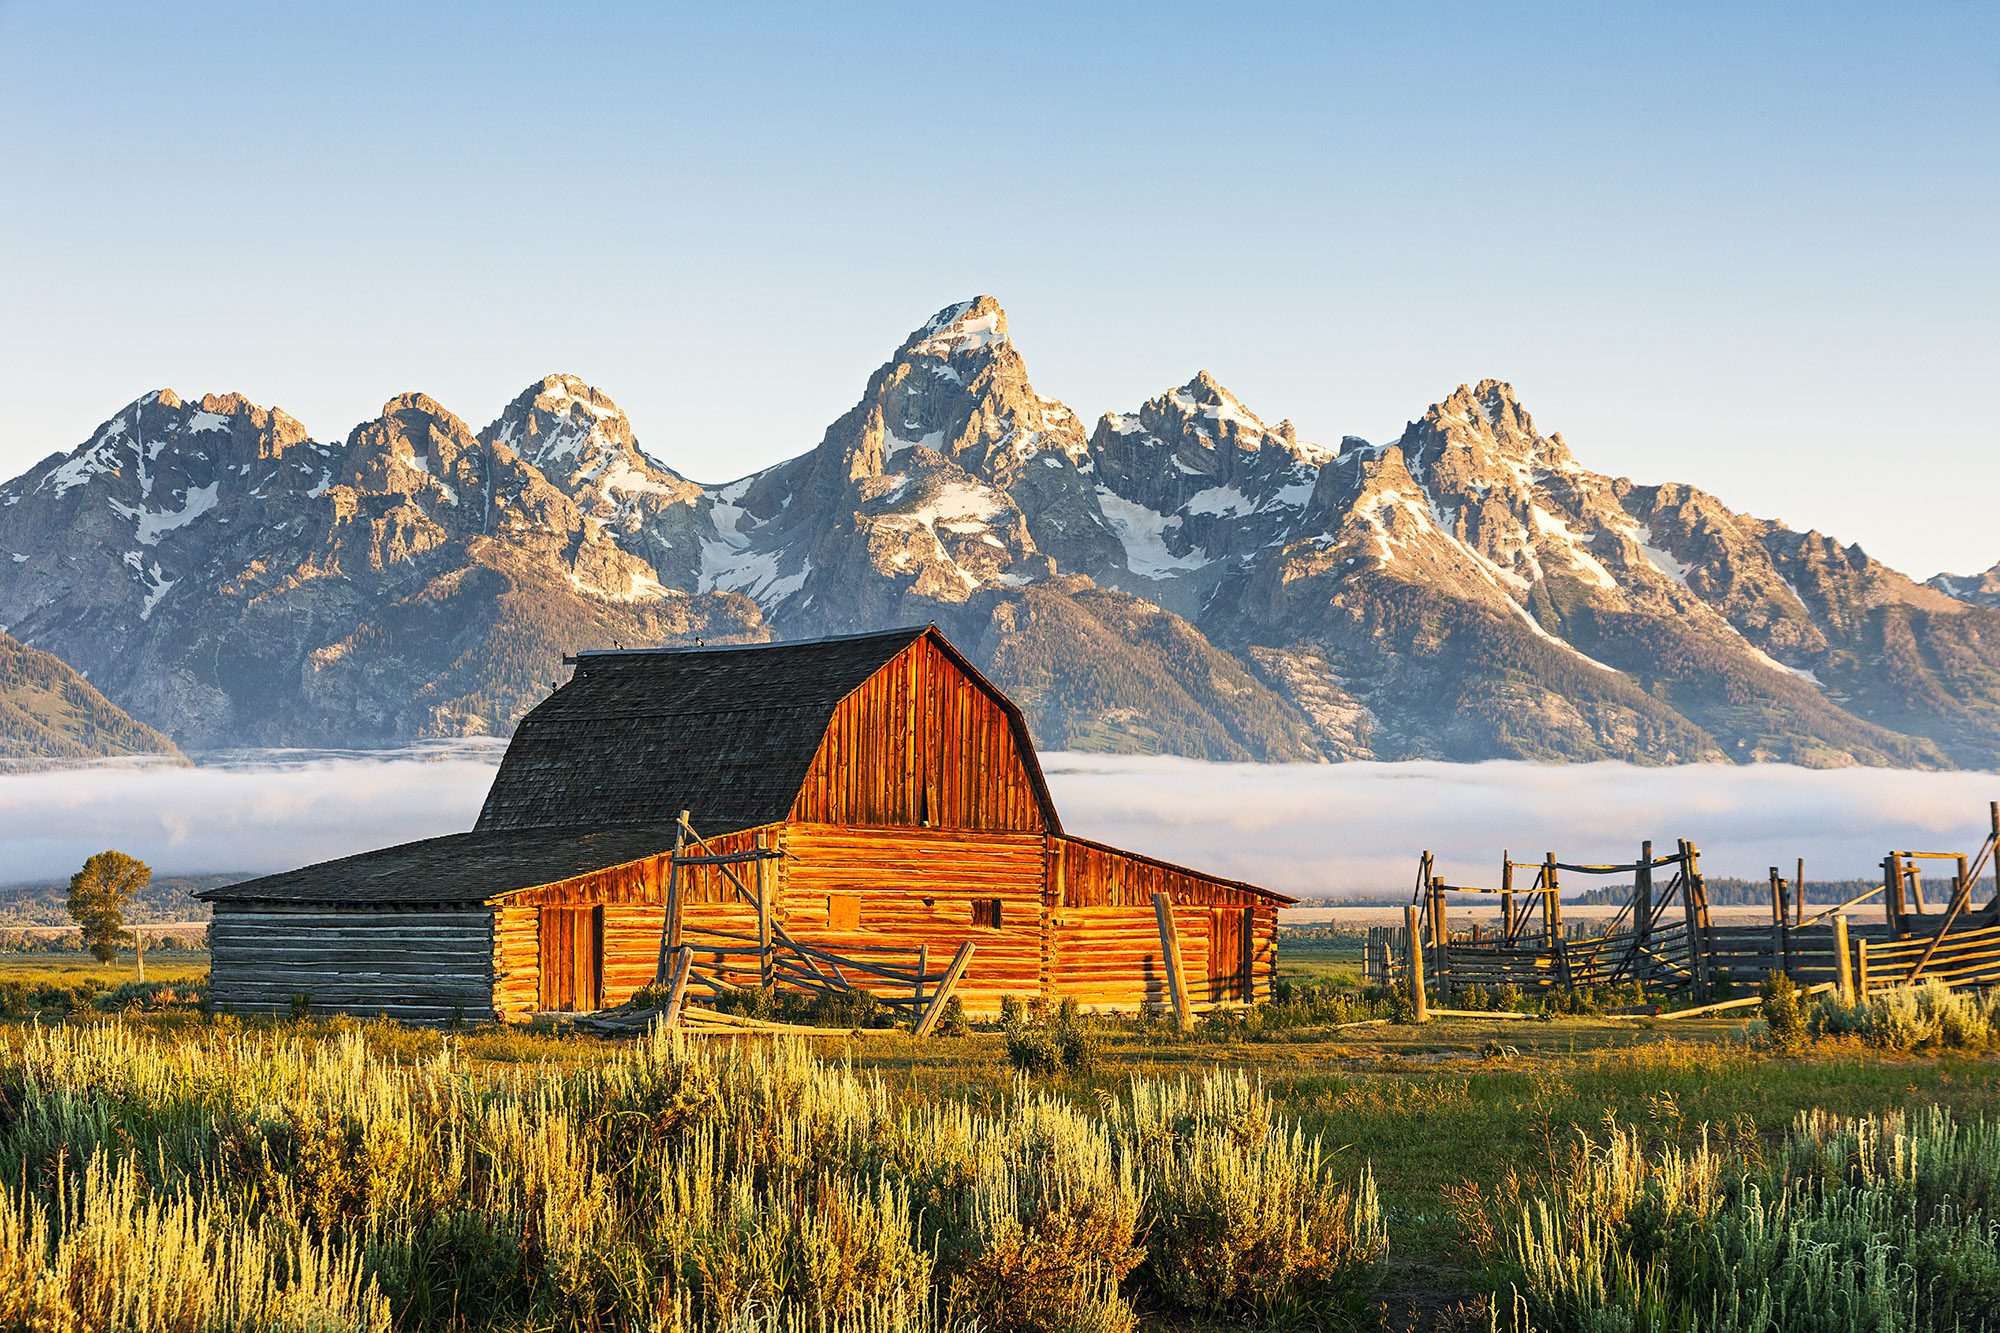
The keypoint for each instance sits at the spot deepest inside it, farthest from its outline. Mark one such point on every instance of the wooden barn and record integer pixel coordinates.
(874, 793)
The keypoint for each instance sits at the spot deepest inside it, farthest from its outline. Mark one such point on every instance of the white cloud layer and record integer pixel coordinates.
(1358, 827)
(1304, 829)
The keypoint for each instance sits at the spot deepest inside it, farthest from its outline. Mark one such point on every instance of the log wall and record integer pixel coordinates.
(920, 743)
(918, 887)
(1107, 940)
(414, 965)
(633, 897)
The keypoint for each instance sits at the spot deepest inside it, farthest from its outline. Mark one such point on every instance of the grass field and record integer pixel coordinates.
(1457, 1122)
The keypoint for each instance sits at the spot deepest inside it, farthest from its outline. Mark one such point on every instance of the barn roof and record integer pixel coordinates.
(727, 733)
(598, 772)
(458, 868)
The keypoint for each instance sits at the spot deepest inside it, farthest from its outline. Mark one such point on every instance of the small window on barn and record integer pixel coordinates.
(843, 911)
(986, 912)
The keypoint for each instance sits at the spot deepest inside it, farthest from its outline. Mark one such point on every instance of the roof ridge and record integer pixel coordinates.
(905, 631)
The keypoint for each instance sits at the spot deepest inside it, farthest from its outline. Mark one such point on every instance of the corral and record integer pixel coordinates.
(847, 812)
(1663, 939)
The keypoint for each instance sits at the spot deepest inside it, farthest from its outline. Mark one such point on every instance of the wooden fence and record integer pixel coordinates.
(1739, 957)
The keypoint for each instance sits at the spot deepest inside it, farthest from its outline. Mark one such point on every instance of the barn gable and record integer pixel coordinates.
(925, 741)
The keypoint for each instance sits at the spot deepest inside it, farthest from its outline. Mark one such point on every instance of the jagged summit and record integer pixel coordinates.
(970, 326)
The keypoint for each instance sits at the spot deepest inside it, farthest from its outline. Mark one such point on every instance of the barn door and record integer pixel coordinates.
(572, 958)
(1229, 953)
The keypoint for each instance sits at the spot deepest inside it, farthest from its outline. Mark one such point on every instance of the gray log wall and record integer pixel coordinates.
(424, 966)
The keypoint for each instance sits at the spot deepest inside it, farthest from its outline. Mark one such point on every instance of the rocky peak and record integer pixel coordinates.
(580, 440)
(1980, 589)
(958, 389)
(959, 330)
(1481, 428)
(1194, 478)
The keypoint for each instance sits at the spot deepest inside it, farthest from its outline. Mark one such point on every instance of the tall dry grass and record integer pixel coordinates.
(246, 1180)
(1878, 1224)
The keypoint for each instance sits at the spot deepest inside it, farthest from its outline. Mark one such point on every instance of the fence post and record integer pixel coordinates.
(766, 962)
(670, 925)
(1861, 969)
(1642, 901)
(1416, 948)
(1170, 954)
(1552, 903)
(1843, 970)
(1440, 933)
(1892, 891)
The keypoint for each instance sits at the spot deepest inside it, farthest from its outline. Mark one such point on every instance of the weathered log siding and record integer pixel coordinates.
(1110, 957)
(920, 743)
(1104, 927)
(633, 898)
(420, 966)
(917, 887)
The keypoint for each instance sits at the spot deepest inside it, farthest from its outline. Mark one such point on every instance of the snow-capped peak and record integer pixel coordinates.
(973, 325)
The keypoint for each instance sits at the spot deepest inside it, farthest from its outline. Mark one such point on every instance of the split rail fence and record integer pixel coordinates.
(1664, 939)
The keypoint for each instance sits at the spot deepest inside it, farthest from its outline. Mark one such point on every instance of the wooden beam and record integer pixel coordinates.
(683, 964)
(1170, 953)
(670, 925)
(1837, 908)
(1724, 1006)
(1642, 897)
(1415, 945)
(1843, 965)
(728, 858)
(1696, 928)
(1892, 885)
(763, 916)
(935, 1009)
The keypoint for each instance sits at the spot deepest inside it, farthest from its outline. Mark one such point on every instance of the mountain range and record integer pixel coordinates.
(1181, 578)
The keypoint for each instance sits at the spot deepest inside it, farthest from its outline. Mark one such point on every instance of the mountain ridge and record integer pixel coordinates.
(1181, 576)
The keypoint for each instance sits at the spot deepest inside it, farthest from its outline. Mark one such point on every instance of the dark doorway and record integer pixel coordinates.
(1229, 953)
(572, 958)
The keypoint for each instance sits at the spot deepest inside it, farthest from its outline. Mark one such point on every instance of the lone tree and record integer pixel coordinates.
(98, 895)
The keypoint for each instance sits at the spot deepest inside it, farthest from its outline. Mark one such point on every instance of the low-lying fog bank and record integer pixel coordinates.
(1303, 829)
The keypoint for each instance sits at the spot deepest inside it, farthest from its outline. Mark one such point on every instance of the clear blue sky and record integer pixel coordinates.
(1749, 247)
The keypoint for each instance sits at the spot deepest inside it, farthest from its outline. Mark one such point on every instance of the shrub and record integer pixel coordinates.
(1927, 1016)
(1042, 1043)
(1784, 1017)
(1245, 1217)
(1047, 1229)
(847, 1009)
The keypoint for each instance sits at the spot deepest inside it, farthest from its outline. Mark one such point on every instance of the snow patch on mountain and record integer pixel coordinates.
(961, 334)
(152, 524)
(1663, 560)
(1143, 534)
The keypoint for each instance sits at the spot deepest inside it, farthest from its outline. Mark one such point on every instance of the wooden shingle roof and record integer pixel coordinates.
(638, 737)
(461, 868)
